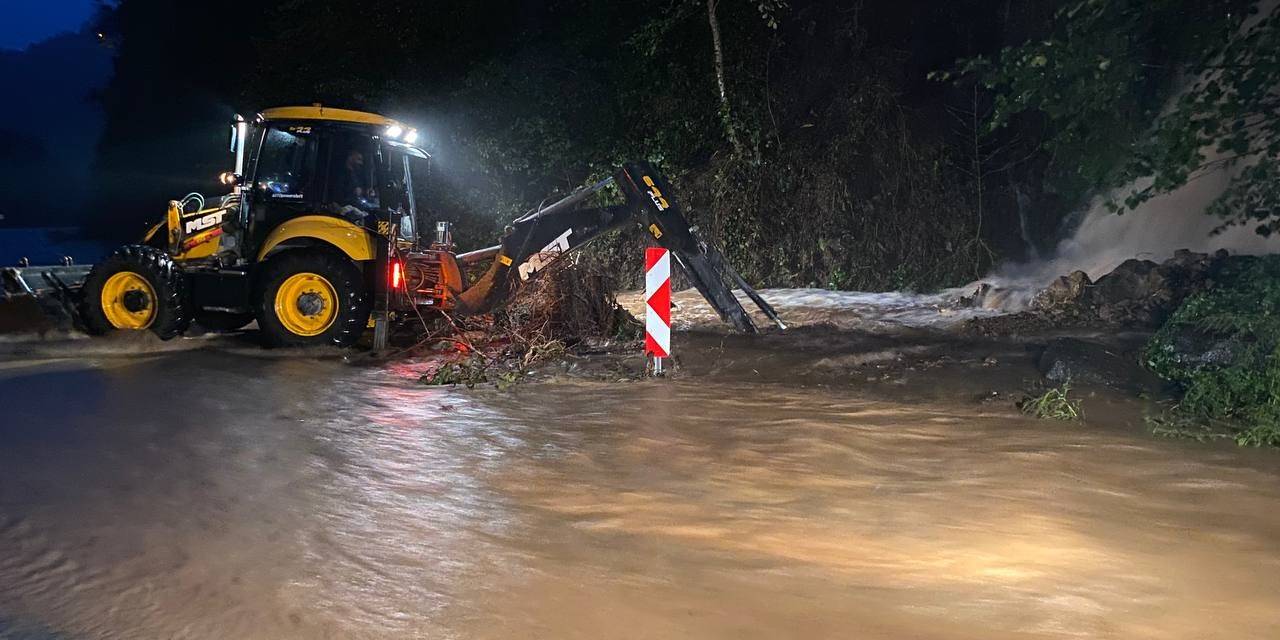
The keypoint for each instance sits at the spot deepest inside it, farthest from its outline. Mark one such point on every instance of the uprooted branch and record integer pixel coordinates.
(563, 308)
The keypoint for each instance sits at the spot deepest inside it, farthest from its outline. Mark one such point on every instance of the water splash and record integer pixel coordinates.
(1152, 231)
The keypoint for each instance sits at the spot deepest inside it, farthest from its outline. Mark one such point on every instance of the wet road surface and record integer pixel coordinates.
(241, 495)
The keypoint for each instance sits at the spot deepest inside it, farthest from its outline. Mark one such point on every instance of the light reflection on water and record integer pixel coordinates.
(865, 311)
(211, 495)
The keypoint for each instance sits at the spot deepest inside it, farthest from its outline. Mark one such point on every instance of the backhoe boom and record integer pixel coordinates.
(544, 235)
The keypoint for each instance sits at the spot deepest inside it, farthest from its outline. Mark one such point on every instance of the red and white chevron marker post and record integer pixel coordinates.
(657, 305)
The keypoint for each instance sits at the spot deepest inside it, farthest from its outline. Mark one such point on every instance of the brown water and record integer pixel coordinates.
(234, 495)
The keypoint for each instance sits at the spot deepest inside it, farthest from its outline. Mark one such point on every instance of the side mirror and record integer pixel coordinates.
(231, 178)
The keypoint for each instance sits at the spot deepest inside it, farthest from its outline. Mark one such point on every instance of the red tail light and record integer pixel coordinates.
(397, 274)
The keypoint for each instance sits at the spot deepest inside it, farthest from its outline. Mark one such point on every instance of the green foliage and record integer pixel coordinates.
(1239, 391)
(474, 370)
(468, 371)
(1054, 404)
(839, 175)
(855, 200)
(1170, 424)
(1104, 74)
(771, 11)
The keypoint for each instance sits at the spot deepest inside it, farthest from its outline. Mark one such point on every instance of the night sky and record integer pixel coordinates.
(48, 136)
(29, 21)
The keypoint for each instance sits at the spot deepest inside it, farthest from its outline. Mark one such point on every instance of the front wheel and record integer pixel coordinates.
(311, 297)
(136, 288)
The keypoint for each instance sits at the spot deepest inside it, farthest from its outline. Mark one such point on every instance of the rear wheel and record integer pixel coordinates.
(311, 297)
(136, 288)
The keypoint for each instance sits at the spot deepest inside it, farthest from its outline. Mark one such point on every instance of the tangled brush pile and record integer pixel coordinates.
(567, 308)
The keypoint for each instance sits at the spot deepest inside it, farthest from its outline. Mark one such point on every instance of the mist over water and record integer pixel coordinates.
(1152, 231)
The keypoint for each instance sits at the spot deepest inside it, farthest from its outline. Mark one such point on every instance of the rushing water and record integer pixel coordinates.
(870, 312)
(211, 494)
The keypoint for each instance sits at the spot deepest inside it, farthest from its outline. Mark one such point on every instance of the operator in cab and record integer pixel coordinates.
(356, 195)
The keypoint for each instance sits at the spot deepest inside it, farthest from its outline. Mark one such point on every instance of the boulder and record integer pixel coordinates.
(1132, 280)
(978, 298)
(1091, 363)
(1142, 293)
(1137, 293)
(1190, 348)
(1065, 290)
(1194, 264)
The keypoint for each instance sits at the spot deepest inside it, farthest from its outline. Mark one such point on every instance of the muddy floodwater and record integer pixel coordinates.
(230, 493)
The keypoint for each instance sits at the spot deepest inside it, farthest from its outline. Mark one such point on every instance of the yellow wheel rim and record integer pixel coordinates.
(128, 301)
(306, 304)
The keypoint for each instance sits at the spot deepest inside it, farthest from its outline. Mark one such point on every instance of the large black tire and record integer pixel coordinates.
(351, 299)
(164, 309)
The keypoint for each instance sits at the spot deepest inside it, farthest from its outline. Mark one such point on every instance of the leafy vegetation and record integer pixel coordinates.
(802, 136)
(469, 371)
(1222, 349)
(1055, 403)
(1101, 85)
(1169, 424)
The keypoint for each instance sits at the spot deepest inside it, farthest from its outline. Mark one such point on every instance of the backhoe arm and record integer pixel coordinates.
(544, 235)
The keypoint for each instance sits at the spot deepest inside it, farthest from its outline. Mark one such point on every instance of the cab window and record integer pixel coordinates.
(286, 166)
(352, 169)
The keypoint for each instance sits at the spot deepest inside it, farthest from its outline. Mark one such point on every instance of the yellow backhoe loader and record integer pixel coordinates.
(317, 241)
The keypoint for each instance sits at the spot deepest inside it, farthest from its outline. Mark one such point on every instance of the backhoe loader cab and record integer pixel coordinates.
(318, 235)
(294, 162)
(319, 198)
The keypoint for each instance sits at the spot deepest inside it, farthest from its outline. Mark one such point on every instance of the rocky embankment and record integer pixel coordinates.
(1137, 295)
(1202, 328)
(1094, 332)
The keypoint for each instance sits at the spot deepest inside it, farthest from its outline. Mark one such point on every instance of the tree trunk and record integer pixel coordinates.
(719, 52)
(978, 174)
(726, 114)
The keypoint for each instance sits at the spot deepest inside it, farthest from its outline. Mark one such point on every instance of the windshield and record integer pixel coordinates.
(399, 198)
(409, 228)
(345, 171)
(286, 164)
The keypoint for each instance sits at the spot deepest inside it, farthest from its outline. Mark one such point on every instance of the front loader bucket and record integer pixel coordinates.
(40, 299)
(24, 314)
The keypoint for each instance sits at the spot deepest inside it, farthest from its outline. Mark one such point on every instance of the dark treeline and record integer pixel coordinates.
(48, 123)
(830, 159)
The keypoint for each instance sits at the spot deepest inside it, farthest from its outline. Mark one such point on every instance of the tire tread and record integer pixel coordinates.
(346, 279)
(173, 310)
